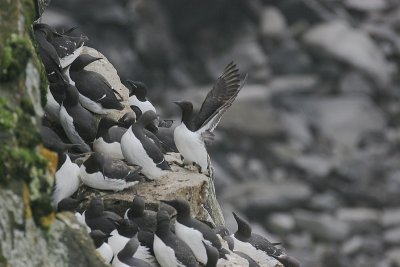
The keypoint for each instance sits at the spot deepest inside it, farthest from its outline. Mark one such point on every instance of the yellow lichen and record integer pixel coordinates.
(26, 198)
(46, 221)
(52, 159)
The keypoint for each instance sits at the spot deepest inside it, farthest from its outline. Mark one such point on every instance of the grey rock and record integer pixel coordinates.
(367, 5)
(322, 226)
(280, 223)
(289, 58)
(355, 83)
(292, 83)
(390, 217)
(324, 202)
(314, 164)
(367, 244)
(355, 48)
(273, 23)
(297, 130)
(360, 219)
(393, 255)
(392, 236)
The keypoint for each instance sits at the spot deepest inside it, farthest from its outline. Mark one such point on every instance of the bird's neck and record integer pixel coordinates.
(187, 118)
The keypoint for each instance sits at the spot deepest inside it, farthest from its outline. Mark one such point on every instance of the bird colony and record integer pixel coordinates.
(119, 154)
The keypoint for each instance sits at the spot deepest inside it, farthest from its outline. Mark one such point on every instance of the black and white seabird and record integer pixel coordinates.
(66, 181)
(126, 230)
(71, 204)
(145, 219)
(224, 234)
(108, 138)
(55, 96)
(256, 247)
(169, 249)
(190, 136)
(194, 232)
(99, 239)
(96, 93)
(47, 52)
(68, 48)
(99, 219)
(139, 149)
(127, 256)
(137, 98)
(78, 123)
(52, 141)
(105, 173)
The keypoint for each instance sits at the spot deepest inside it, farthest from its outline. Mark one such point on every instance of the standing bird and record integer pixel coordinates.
(53, 142)
(105, 173)
(194, 131)
(99, 219)
(70, 204)
(137, 98)
(139, 149)
(99, 239)
(54, 96)
(96, 93)
(78, 123)
(145, 219)
(108, 138)
(194, 232)
(127, 256)
(169, 249)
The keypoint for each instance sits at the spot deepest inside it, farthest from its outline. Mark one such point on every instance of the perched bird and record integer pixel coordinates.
(241, 243)
(194, 131)
(99, 239)
(126, 230)
(127, 256)
(194, 232)
(78, 123)
(139, 149)
(145, 219)
(54, 96)
(245, 234)
(96, 93)
(287, 260)
(68, 48)
(137, 98)
(224, 234)
(71, 204)
(47, 51)
(53, 142)
(140, 104)
(99, 219)
(170, 250)
(66, 181)
(108, 138)
(105, 173)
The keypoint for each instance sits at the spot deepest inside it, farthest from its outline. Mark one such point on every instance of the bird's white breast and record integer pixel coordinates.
(143, 106)
(191, 146)
(134, 153)
(258, 255)
(110, 149)
(193, 238)
(67, 181)
(117, 242)
(67, 122)
(52, 107)
(164, 254)
(106, 252)
(67, 60)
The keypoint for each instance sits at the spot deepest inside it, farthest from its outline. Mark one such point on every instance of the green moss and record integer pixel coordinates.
(13, 62)
(8, 118)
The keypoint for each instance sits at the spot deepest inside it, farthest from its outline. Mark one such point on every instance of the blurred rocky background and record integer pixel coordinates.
(310, 150)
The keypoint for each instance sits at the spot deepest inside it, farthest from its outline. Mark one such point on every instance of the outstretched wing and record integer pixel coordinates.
(224, 92)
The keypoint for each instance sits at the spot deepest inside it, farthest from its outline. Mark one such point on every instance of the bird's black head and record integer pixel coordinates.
(138, 89)
(148, 118)
(181, 206)
(138, 205)
(127, 120)
(69, 204)
(44, 28)
(221, 230)
(99, 237)
(187, 110)
(244, 230)
(163, 220)
(127, 228)
(82, 61)
(95, 208)
(130, 248)
(105, 124)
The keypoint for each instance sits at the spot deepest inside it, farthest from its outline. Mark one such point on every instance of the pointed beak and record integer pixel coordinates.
(177, 103)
